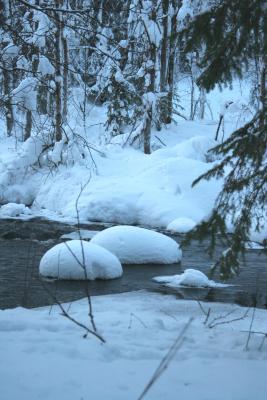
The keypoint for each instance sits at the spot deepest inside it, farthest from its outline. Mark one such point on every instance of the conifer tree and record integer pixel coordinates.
(231, 34)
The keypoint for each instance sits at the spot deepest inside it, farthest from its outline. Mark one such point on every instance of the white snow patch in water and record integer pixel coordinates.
(133, 245)
(66, 261)
(190, 277)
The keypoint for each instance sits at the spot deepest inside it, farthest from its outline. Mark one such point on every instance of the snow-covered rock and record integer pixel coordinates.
(190, 277)
(66, 261)
(133, 245)
(181, 225)
(14, 210)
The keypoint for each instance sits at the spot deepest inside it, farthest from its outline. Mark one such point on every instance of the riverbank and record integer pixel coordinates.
(139, 329)
(117, 183)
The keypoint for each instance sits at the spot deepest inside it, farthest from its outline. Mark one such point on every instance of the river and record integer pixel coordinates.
(23, 243)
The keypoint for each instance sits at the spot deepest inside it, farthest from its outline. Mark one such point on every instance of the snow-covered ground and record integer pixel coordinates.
(123, 185)
(129, 187)
(44, 356)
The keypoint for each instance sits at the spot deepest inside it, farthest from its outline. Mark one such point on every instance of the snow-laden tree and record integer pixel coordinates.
(230, 35)
(61, 45)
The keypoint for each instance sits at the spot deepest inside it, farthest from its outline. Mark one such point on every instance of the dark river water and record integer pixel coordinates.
(23, 243)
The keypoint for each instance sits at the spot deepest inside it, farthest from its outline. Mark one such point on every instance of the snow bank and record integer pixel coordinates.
(134, 245)
(65, 261)
(14, 210)
(43, 352)
(190, 277)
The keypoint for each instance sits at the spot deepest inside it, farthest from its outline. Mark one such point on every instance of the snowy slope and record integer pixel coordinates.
(129, 187)
(122, 184)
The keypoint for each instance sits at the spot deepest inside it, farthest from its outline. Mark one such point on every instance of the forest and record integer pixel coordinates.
(133, 199)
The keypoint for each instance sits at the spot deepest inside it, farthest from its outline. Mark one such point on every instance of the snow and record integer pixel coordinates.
(126, 186)
(18, 182)
(44, 356)
(25, 93)
(132, 188)
(45, 67)
(253, 246)
(181, 225)
(190, 277)
(77, 259)
(14, 210)
(133, 245)
(10, 51)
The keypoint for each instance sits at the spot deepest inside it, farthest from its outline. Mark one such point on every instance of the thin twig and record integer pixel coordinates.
(250, 328)
(160, 141)
(138, 319)
(224, 316)
(163, 365)
(206, 313)
(229, 321)
(69, 317)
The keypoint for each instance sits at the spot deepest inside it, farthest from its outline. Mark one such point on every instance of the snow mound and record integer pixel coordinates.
(190, 277)
(65, 261)
(195, 148)
(181, 225)
(133, 245)
(14, 210)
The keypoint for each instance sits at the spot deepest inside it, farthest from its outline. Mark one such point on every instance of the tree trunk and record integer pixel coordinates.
(5, 14)
(147, 130)
(192, 98)
(8, 103)
(149, 105)
(65, 77)
(263, 71)
(176, 4)
(58, 77)
(28, 125)
(164, 46)
(202, 102)
(163, 62)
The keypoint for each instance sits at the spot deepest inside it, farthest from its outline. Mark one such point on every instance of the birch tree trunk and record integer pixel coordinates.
(150, 89)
